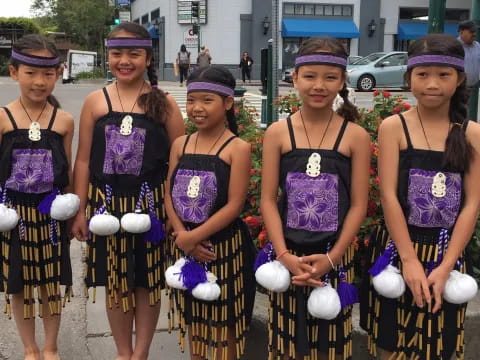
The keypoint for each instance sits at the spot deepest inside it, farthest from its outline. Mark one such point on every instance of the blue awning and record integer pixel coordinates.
(412, 31)
(314, 27)
(153, 33)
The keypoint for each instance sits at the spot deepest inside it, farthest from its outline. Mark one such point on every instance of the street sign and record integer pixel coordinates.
(124, 16)
(184, 11)
(123, 3)
(189, 39)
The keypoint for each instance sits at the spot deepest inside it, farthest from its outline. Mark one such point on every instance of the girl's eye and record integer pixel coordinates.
(332, 77)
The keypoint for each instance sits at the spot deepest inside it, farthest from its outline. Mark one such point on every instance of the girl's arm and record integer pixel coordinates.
(237, 193)
(272, 150)
(466, 221)
(389, 138)
(360, 157)
(81, 171)
(174, 124)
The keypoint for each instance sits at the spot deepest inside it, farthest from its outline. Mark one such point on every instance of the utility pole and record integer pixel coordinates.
(275, 32)
(436, 16)
(473, 103)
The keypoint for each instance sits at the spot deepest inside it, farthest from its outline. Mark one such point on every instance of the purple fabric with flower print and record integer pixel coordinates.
(312, 202)
(427, 210)
(123, 153)
(32, 171)
(194, 210)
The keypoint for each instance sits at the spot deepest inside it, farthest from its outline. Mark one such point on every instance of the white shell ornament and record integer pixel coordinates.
(172, 275)
(460, 288)
(324, 303)
(8, 218)
(34, 133)
(104, 224)
(64, 206)
(438, 185)
(193, 187)
(273, 276)
(209, 290)
(126, 125)
(135, 223)
(313, 165)
(389, 283)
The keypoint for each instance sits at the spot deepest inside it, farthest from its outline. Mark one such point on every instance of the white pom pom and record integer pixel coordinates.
(172, 275)
(459, 288)
(135, 223)
(273, 276)
(64, 206)
(104, 224)
(389, 283)
(8, 218)
(207, 291)
(324, 303)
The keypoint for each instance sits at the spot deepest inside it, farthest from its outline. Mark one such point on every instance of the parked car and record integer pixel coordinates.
(287, 74)
(386, 71)
(366, 59)
(353, 58)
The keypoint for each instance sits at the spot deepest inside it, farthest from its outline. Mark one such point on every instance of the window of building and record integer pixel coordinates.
(318, 9)
(346, 10)
(328, 10)
(298, 9)
(337, 10)
(145, 19)
(289, 9)
(309, 9)
(155, 14)
(136, 21)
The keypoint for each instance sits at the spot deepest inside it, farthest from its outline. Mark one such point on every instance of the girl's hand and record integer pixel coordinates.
(315, 266)
(293, 265)
(79, 227)
(184, 240)
(202, 252)
(414, 275)
(436, 280)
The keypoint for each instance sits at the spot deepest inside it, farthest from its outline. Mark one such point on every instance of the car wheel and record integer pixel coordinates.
(366, 83)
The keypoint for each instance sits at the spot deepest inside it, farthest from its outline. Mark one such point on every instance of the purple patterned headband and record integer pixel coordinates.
(35, 61)
(210, 87)
(129, 43)
(322, 59)
(441, 60)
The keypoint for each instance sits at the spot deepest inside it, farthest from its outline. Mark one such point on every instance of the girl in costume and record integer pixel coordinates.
(427, 165)
(205, 217)
(315, 156)
(125, 134)
(35, 151)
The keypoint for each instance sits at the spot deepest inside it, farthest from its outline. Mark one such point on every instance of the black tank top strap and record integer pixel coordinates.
(291, 133)
(224, 145)
(107, 98)
(405, 130)
(186, 142)
(10, 116)
(52, 119)
(340, 135)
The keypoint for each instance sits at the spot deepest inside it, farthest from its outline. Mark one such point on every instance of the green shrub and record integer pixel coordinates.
(97, 73)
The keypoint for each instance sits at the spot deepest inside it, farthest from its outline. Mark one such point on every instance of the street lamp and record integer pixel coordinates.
(265, 25)
(372, 26)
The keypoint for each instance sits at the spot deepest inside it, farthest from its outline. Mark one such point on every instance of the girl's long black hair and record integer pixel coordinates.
(458, 151)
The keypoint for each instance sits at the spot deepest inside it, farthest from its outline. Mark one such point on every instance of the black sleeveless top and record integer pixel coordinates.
(194, 202)
(126, 161)
(33, 167)
(312, 208)
(430, 195)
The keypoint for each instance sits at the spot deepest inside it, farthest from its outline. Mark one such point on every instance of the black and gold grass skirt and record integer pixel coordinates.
(30, 263)
(124, 261)
(293, 331)
(210, 321)
(398, 325)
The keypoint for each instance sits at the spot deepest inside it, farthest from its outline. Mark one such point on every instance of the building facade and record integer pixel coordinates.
(229, 27)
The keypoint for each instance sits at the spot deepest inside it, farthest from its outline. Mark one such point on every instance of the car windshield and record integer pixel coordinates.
(368, 59)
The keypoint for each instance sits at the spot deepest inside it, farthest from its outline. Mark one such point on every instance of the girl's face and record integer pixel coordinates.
(318, 85)
(36, 83)
(434, 85)
(128, 64)
(207, 110)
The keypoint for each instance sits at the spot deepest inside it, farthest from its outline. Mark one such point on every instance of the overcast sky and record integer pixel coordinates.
(10, 8)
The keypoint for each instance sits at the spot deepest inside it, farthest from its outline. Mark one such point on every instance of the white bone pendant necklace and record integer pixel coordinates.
(193, 189)
(34, 133)
(126, 125)
(315, 159)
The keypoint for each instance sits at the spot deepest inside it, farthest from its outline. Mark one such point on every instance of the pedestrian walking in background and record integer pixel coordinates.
(320, 160)
(183, 62)
(467, 32)
(428, 166)
(245, 66)
(35, 153)
(204, 59)
(209, 173)
(120, 170)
